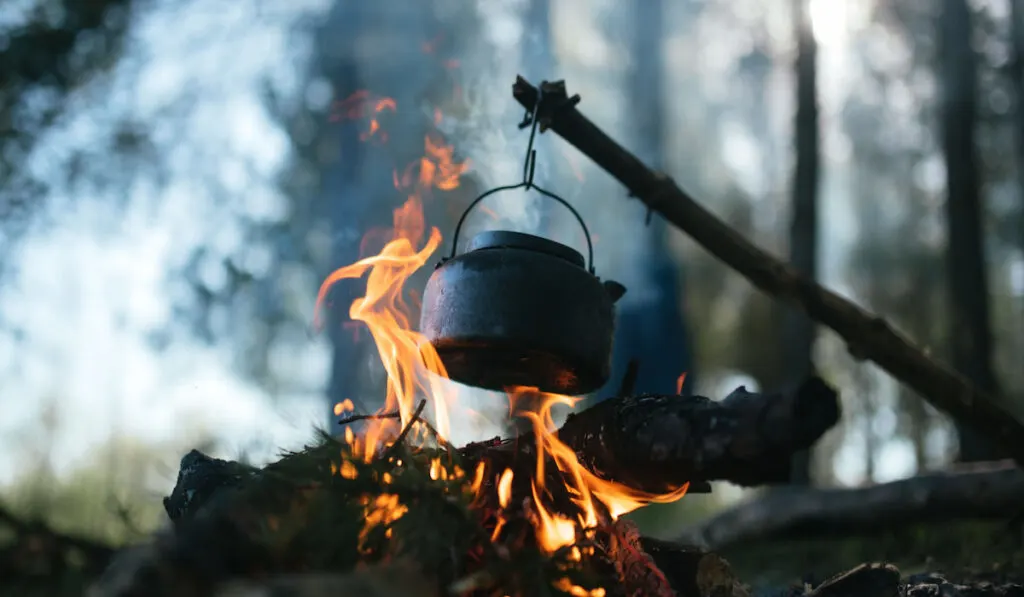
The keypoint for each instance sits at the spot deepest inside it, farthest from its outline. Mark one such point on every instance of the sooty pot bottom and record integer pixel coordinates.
(498, 367)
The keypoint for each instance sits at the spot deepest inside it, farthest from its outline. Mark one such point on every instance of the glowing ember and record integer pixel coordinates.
(343, 407)
(382, 510)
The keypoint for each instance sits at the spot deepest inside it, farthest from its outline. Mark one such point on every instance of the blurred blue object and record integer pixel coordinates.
(654, 332)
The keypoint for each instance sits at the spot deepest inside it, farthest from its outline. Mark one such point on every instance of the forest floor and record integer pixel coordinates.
(960, 551)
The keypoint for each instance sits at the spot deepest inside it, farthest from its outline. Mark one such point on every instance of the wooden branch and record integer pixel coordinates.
(867, 336)
(981, 491)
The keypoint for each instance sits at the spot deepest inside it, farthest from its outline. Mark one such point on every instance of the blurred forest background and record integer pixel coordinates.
(178, 176)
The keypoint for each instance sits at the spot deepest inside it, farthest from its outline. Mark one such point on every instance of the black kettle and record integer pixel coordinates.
(516, 309)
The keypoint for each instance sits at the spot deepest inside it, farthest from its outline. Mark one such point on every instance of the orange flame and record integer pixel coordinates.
(505, 488)
(361, 105)
(413, 367)
(415, 371)
(588, 490)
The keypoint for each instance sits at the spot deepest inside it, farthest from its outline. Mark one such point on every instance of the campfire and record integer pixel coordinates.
(536, 514)
(547, 502)
(395, 509)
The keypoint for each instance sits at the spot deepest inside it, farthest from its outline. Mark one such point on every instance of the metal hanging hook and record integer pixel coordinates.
(529, 170)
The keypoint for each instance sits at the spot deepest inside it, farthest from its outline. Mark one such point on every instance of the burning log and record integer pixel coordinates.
(978, 491)
(867, 336)
(655, 443)
(650, 443)
(232, 520)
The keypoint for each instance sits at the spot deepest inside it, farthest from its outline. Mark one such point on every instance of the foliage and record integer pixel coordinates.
(110, 501)
(113, 498)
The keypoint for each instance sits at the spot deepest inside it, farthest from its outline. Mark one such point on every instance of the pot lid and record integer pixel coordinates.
(506, 239)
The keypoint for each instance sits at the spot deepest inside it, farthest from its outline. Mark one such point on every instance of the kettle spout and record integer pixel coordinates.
(614, 290)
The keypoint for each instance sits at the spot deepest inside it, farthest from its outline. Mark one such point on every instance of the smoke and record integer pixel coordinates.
(491, 56)
(504, 38)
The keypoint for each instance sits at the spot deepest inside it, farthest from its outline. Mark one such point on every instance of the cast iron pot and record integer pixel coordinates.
(520, 310)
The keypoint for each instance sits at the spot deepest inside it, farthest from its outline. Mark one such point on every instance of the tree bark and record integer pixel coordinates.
(867, 336)
(980, 491)
(799, 335)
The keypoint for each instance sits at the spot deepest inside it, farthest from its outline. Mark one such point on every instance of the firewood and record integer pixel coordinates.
(649, 443)
(867, 336)
(979, 491)
(654, 443)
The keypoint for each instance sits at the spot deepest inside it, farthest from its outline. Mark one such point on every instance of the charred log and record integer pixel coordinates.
(981, 491)
(649, 443)
(867, 336)
(656, 443)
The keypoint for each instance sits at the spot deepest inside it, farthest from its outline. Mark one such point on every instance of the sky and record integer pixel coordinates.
(96, 276)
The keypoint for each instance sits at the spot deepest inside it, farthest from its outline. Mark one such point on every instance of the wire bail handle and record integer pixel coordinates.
(529, 167)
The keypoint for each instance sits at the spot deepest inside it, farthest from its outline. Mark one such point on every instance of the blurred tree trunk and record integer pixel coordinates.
(346, 202)
(651, 329)
(970, 335)
(1017, 32)
(756, 68)
(762, 316)
(803, 235)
